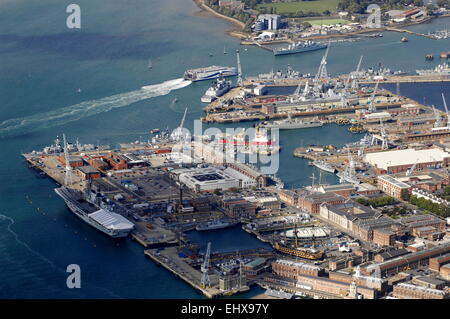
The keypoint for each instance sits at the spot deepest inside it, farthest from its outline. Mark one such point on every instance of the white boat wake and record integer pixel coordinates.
(88, 108)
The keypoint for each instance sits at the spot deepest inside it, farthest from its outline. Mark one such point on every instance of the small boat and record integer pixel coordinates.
(224, 50)
(150, 65)
(175, 100)
(404, 39)
(155, 130)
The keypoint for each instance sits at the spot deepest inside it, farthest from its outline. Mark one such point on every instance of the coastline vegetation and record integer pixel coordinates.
(300, 8)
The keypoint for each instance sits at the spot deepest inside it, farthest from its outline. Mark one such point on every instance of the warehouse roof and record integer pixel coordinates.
(405, 157)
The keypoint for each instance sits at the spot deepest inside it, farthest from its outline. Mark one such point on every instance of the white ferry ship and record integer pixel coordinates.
(209, 73)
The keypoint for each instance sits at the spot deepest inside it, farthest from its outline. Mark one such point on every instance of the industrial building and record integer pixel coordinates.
(391, 162)
(206, 179)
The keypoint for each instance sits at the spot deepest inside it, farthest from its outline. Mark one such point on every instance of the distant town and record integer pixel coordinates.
(291, 21)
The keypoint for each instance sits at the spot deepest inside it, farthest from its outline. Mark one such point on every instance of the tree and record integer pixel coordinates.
(405, 195)
(306, 25)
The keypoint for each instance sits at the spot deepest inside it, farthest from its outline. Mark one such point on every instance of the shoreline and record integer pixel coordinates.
(238, 26)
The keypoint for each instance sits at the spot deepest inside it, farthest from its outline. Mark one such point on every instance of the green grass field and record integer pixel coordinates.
(318, 6)
(327, 21)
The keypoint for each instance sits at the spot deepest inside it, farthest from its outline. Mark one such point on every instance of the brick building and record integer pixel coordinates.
(311, 202)
(292, 269)
(437, 262)
(408, 291)
(392, 186)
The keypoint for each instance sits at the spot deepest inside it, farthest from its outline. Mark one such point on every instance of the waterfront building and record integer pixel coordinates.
(252, 173)
(391, 162)
(254, 267)
(268, 22)
(238, 207)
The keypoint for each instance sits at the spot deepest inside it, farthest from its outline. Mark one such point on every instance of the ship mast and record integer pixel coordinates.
(68, 178)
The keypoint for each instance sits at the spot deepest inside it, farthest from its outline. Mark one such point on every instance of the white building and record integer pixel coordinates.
(206, 179)
(269, 21)
(401, 160)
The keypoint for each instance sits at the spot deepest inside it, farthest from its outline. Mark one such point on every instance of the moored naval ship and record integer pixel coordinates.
(441, 69)
(209, 73)
(324, 166)
(109, 223)
(218, 224)
(217, 89)
(289, 124)
(299, 47)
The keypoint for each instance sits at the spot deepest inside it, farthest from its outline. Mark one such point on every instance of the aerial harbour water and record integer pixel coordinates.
(94, 85)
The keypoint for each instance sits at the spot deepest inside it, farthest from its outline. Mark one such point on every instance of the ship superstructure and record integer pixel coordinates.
(217, 89)
(299, 47)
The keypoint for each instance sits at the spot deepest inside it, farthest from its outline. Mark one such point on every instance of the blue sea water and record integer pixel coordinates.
(42, 67)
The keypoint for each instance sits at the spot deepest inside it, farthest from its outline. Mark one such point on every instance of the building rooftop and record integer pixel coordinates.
(394, 181)
(384, 160)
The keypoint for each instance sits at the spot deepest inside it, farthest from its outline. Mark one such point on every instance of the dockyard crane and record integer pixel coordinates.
(205, 281)
(384, 142)
(352, 75)
(177, 134)
(239, 79)
(68, 178)
(438, 117)
(372, 107)
(411, 170)
(322, 72)
(446, 110)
